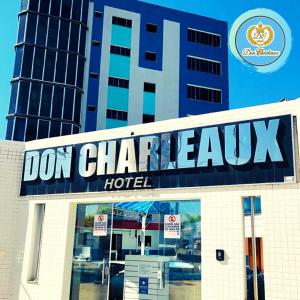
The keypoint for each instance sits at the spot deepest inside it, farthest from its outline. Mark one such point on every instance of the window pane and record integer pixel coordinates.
(34, 99)
(55, 7)
(54, 129)
(46, 101)
(66, 129)
(82, 41)
(31, 28)
(9, 128)
(44, 6)
(68, 105)
(57, 102)
(27, 61)
(34, 5)
(23, 97)
(52, 33)
(49, 65)
(22, 22)
(24, 5)
(257, 205)
(61, 67)
(77, 107)
(72, 62)
(19, 131)
(38, 63)
(64, 34)
(66, 9)
(75, 129)
(80, 71)
(74, 37)
(13, 98)
(18, 62)
(42, 30)
(85, 9)
(31, 129)
(76, 10)
(43, 129)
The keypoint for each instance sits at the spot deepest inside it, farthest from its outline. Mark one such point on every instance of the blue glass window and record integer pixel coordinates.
(54, 129)
(66, 9)
(38, 63)
(43, 129)
(44, 6)
(61, 67)
(27, 61)
(31, 28)
(74, 37)
(13, 97)
(64, 34)
(57, 102)
(9, 129)
(34, 99)
(75, 129)
(20, 124)
(55, 7)
(49, 65)
(82, 41)
(42, 30)
(76, 10)
(24, 5)
(72, 63)
(85, 10)
(34, 5)
(18, 61)
(46, 101)
(80, 71)
(247, 205)
(23, 97)
(77, 107)
(52, 33)
(66, 129)
(31, 129)
(68, 105)
(21, 33)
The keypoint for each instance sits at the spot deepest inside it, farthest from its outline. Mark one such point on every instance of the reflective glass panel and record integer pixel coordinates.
(46, 101)
(34, 99)
(116, 244)
(31, 28)
(23, 97)
(27, 61)
(13, 97)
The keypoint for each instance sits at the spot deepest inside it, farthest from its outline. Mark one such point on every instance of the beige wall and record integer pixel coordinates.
(13, 219)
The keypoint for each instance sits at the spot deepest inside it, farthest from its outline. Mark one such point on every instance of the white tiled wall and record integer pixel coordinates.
(13, 219)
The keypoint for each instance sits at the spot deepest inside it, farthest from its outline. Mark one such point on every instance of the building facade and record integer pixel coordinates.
(86, 65)
(47, 83)
(111, 217)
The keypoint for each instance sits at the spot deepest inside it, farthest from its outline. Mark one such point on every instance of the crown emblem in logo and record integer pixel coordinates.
(260, 35)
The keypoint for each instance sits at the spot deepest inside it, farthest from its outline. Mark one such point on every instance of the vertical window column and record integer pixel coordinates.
(149, 103)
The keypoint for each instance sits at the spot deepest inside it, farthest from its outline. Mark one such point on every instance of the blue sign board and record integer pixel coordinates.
(246, 152)
(143, 285)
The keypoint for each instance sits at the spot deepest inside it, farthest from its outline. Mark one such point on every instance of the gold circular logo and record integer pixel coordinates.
(260, 35)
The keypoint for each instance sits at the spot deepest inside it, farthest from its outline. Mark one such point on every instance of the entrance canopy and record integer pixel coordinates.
(141, 207)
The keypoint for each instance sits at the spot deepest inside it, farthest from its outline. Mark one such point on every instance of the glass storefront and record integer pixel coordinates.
(162, 238)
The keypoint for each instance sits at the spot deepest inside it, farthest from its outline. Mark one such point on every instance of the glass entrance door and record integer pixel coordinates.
(91, 252)
(149, 247)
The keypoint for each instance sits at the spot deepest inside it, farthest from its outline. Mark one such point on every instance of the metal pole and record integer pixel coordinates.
(254, 249)
(143, 232)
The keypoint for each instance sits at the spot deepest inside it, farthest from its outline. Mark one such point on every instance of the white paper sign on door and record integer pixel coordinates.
(172, 227)
(100, 225)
